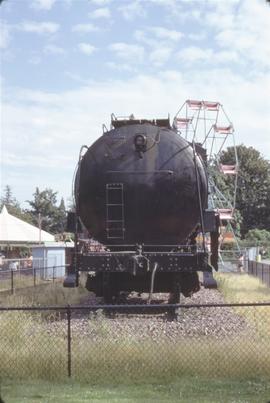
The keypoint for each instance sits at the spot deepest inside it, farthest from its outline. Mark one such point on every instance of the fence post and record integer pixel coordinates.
(69, 340)
(35, 277)
(53, 275)
(12, 281)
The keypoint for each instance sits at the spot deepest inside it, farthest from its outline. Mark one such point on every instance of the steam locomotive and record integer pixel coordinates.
(141, 191)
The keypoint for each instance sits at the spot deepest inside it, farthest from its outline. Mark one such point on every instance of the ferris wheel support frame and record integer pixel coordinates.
(207, 123)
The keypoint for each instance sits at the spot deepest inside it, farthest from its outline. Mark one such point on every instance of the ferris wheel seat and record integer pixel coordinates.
(211, 106)
(181, 123)
(228, 169)
(225, 214)
(194, 104)
(223, 129)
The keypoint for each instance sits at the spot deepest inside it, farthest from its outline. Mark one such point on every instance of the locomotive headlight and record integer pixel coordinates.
(140, 142)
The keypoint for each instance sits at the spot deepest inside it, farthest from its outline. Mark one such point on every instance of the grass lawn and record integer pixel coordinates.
(189, 390)
(241, 288)
(51, 294)
(193, 371)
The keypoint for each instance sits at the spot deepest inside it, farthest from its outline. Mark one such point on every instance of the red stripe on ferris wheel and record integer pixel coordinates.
(223, 129)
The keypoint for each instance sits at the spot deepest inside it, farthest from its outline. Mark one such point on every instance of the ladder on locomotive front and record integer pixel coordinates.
(115, 222)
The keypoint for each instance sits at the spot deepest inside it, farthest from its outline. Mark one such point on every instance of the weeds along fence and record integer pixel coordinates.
(135, 343)
(37, 275)
(260, 270)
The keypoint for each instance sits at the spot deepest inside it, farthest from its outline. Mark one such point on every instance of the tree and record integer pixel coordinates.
(258, 236)
(61, 216)
(45, 211)
(8, 199)
(13, 206)
(252, 200)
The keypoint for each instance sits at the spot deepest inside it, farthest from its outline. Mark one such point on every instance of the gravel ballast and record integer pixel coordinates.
(217, 322)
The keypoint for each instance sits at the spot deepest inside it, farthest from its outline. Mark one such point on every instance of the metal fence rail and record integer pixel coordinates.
(12, 279)
(117, 343)
(260, 270)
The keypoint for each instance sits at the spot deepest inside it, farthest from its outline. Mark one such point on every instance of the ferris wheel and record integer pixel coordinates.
(206, 124)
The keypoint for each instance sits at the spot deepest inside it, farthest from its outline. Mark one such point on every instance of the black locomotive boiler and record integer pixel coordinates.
(141, 191)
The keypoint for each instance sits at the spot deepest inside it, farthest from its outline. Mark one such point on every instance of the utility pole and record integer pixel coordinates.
(39, 226)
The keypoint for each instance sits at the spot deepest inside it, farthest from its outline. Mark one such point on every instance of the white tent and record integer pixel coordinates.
(15, 231)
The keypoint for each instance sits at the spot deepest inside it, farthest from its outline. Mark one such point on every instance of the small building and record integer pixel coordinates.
(51, 258)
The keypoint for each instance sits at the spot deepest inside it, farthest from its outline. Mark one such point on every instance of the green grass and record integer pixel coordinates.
(186, 390)
(50, 294)
(28, 350)
(243, 288)
(21, 280)
(240, 288)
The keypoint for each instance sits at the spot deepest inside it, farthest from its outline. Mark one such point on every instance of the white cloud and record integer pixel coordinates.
(125, 51)
(219, 21)
(87, 107)
(164, 33)
(133, 10)
(54, 50)
(45, 27)
(84, 28)
(180, 11)
(205, 72)
(197, 37)
(194, 54)
(100, 13)
(226, 56)
(76, 77)
(37, 161)
(4, 35)
(208, 56)
(101, 2)
(43, 4)
(120, 66)
(160, 56)
(86, 48)
(160, 40)
(243, 27)
(142, 36)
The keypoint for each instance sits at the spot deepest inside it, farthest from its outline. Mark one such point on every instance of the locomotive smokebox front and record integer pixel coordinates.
(137, 185)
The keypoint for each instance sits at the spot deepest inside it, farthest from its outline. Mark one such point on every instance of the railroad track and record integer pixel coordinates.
(139, 324)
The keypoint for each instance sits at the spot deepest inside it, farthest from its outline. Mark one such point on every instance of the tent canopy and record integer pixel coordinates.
(14, 231)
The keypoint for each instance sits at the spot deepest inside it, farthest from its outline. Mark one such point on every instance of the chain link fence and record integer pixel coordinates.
(23, 273)
(135, 343)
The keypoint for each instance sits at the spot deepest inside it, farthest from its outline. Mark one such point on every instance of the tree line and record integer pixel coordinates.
(253, 190)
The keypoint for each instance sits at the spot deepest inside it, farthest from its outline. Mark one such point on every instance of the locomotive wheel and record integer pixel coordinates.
(174, 313)
(107, 288)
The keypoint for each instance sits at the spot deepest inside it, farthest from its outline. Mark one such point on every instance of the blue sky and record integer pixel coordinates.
(66, 65)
